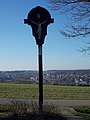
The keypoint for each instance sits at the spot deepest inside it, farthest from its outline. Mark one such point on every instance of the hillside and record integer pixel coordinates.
(56, 77)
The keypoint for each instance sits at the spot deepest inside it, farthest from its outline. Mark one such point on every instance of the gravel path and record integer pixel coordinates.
(54, 102)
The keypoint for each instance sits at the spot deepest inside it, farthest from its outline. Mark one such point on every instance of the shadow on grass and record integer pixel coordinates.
(20, 110)
(35, 116)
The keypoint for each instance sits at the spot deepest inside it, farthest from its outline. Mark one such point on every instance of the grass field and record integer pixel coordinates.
(50, 92)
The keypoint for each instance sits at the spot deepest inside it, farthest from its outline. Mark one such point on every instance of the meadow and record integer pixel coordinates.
(52, 92)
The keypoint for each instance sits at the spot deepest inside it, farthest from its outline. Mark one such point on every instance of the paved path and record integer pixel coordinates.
(70, 102)
(54, 102)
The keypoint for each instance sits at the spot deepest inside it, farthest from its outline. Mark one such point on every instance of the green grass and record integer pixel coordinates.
(8, 90)
(67, 92)
(18, 91)
(83, 111)
(4, 110)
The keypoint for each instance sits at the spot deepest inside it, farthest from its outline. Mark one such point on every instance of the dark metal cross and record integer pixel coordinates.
(39, 18)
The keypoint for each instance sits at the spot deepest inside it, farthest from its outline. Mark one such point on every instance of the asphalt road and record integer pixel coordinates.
(54, 102)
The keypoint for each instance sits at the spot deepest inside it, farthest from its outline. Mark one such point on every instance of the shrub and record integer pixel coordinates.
(22, 110)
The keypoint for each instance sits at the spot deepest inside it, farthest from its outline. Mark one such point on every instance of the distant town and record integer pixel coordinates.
(50, 77)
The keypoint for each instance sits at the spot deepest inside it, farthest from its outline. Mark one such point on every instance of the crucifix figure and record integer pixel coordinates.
(39, 25)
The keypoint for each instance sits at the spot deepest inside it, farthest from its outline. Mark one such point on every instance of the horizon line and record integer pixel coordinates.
(45, 70)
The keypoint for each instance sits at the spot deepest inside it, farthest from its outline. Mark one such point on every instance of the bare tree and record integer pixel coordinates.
(78, 12)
